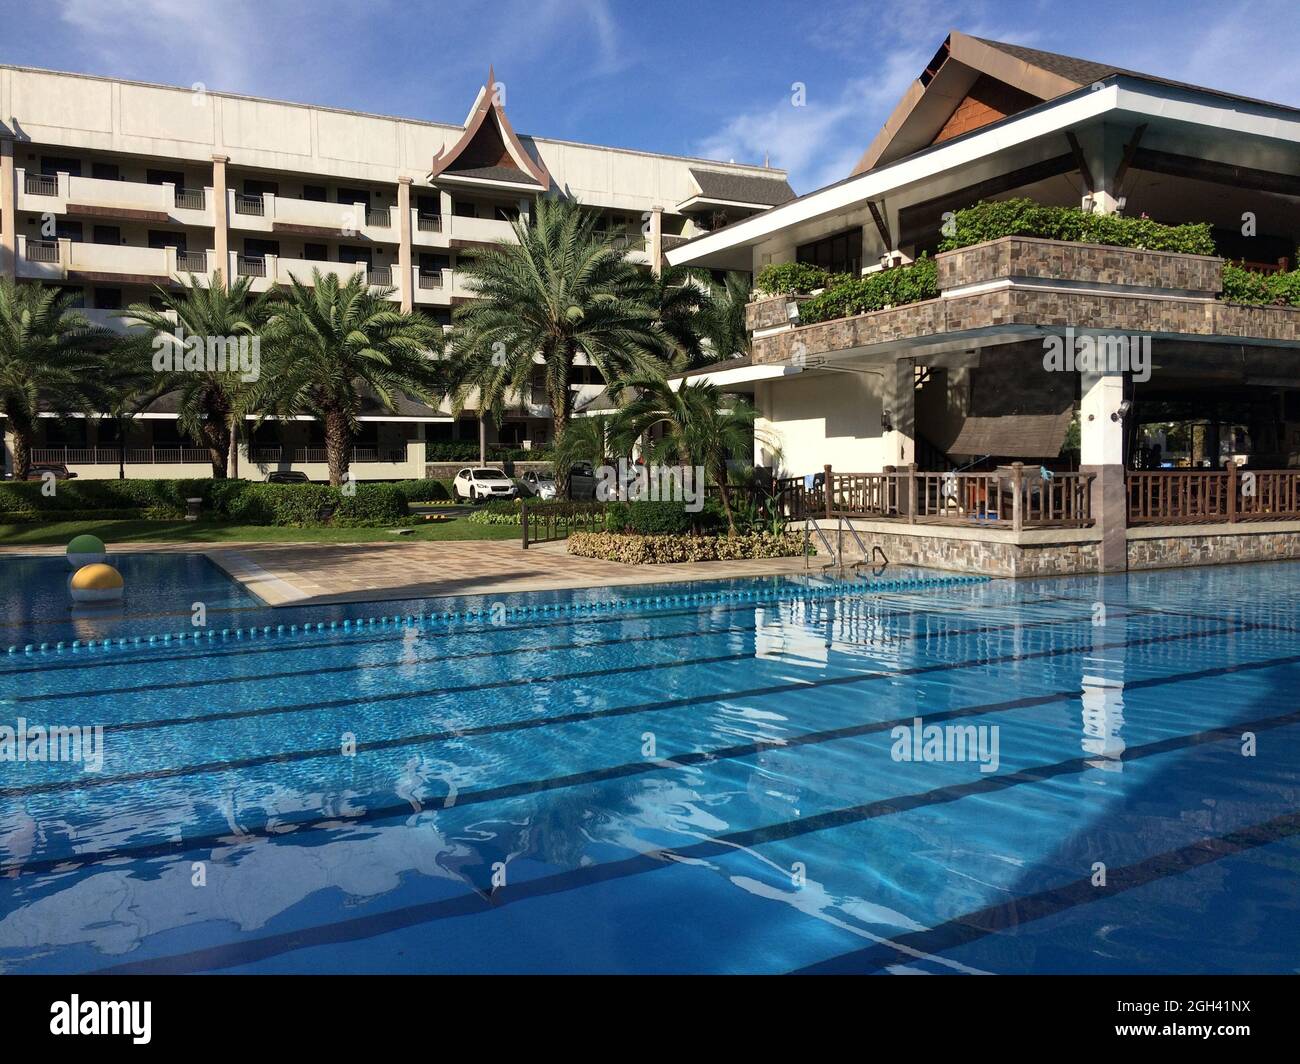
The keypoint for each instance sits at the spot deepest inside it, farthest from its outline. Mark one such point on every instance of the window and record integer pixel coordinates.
(54, 164)
(506, 214)
(255, 248)
(165, 177)
(841, 253)
(106, 234)
(429, 206)
(254, 187)
(64, 230)
(315, 252)
(162, 238)
(464, 209)
(108, 299)
(433, 263)
(105, 171)
(314, 192)
(354, 254)
(354, 195)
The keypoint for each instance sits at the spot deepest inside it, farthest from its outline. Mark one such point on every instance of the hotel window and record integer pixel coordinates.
(354, 195)
(841, 253)
(164, 238)
(106, 234)
(316, 193)
(315, 252)
(108, 299)
(165, 177)
(105, 171)
(53, 164)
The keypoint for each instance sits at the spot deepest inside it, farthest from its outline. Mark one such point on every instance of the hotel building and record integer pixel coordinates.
(115, 188)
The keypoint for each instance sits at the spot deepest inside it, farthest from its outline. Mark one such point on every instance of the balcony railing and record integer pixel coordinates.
(192, 262)
(304, 455)
(430, 279)
(131, 456)
(429, 223)
(380, 275)
(191, 199)
(42, 251)
(1203, 496)
(250, 266)
(255, 205)
(41, 185)
(379, 218)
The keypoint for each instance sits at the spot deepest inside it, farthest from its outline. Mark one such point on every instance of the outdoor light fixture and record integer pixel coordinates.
(1121, 412)
(792, 312)
(886, 421)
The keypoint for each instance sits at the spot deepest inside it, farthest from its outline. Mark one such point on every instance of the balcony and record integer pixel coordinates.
(270, 270)
(113, 456)
(91, 197)
(74, 261)
(1022, 286)
(269, 213)
(476, 232)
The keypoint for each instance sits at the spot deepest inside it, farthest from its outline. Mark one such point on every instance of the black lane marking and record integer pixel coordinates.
(285, 757)
(972, 926)
(362, 927)
(376, 813)
(248, 649)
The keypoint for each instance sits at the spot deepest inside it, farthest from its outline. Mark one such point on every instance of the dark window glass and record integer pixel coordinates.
(352, 254)
(315, 252)
(429, 206)
(108, 299)
(105, 171)
(162, 238)
(464, 209)
(354, 195)
(255, 187)
(163, 177)
(841, 253)
(54, 164)
(430, 263)
(314, 192)
(65, 230)
(256, 248)
(106, 234)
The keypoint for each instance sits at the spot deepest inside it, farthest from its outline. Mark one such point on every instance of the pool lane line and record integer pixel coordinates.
(189, 844)
(396, 635)
(438, 658)
(972, 926)
(86, 783)
(359, 928)
(809, 591)
(308, 707)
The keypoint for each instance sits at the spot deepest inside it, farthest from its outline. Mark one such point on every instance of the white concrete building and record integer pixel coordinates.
(116, 187)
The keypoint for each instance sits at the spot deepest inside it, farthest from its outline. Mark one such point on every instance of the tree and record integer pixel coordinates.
(721, 320)
(50, 359)
(329, 346)
(693, 425)
(178, 336)
(560, 291)
(585, 439)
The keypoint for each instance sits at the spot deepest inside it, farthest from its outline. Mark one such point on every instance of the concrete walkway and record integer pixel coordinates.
(303, 574)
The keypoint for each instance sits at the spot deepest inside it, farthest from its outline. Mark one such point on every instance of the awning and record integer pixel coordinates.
(1013, 435)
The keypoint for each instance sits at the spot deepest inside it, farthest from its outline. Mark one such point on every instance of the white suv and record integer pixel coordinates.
(480, 484)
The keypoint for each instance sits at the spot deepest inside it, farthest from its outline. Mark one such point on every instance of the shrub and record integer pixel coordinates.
(305, 504)
(1023, 217)
(427, 490)
(370, 504)
(886, 288)
(165, 498)
(649, 518)
(1260, 289)
(790, 278)
(660, 550)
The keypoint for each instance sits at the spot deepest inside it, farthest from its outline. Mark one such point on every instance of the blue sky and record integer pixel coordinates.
(706, 77)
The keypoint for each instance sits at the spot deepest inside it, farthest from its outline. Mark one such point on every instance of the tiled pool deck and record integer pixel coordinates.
(292, 574)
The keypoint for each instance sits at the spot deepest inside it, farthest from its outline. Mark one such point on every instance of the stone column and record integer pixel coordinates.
(1102, 453)
(656, 239)
(8, 210)
(404, 244)
(221, 218)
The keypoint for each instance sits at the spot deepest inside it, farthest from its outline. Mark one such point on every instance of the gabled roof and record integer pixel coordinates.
(489, 149)
(972, 82)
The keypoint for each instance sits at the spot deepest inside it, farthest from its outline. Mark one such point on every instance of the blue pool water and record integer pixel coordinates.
(682, 787)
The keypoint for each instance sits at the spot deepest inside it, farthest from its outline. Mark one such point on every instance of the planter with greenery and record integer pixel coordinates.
(634, 549)
(1260, 289)
(790, 279)
(848, 296)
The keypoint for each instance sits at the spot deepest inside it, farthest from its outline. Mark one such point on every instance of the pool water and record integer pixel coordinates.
(699, 786)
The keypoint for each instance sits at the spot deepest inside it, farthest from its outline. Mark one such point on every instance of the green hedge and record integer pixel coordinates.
(303, 504)
(165, 498)
(660, 550)
(1260, 289)
(648, 518)
(886, 288)
(427, 490)
(790, 278)
(1024, 217)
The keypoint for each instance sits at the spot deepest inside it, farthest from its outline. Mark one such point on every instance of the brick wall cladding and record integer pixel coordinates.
(769, 313)
(992, 558)
(1011, 257)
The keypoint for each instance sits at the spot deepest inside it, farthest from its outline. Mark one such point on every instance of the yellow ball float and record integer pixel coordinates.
(97, 583)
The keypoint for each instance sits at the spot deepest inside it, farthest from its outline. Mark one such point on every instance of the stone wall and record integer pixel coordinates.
(991, 557)
(769, 312)
(1167, 552)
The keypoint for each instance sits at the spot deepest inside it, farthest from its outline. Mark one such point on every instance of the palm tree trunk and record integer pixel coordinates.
(216, 439)
(232, 463)
(22, 435)
(560, 422)
(338, 446)
(726, 501)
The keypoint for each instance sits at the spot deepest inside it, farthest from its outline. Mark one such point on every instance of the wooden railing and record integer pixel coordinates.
(1204, 496)
(1012, 496)
(549, 522)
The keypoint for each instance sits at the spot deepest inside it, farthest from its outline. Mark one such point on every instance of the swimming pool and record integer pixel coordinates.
(688, 785)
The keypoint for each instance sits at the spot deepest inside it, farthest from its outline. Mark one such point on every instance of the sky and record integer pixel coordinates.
(804, 84)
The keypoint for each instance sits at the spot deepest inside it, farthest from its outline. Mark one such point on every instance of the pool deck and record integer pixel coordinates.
(308, 574)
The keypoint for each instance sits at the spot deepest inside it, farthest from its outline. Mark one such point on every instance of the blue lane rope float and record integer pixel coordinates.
(356, 626)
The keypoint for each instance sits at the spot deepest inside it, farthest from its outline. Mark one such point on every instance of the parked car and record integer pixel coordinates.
(539, 485)
(480, 484)
(40, 470)
(287, 476)
(582, 481)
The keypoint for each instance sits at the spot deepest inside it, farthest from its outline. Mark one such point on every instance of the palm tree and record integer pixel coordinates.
(680, 295)
(50, 358)
(721, 319)
(585, 439)
(208, 398)
(698, 427)
(330, 345)
(559, 291)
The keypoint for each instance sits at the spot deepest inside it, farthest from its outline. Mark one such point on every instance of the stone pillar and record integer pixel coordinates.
(8, 210)
(1102, 453)
(656, 248)
(221, 218)
(404, 274)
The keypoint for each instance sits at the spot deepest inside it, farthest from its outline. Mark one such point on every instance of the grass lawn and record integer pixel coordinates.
(111, 532)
